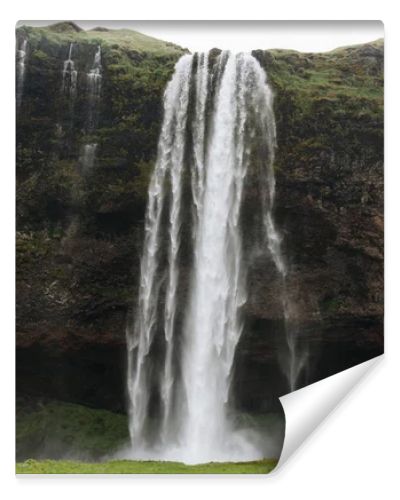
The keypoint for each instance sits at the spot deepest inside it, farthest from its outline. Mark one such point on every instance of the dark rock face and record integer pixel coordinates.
(329, 209)
(79, 234)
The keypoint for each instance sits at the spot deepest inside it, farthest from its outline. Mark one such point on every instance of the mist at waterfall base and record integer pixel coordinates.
(218, 122)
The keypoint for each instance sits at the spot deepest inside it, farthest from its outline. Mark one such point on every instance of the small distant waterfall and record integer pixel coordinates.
(296, 358)
(69, 75)
(94, 80)
(293, 362)
(87, 157)
(180, 365)
(20, 73)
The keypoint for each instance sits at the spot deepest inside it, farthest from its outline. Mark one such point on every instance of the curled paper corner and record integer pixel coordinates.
(306, 408)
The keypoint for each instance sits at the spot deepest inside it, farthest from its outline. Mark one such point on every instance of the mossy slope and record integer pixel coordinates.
(58, 430)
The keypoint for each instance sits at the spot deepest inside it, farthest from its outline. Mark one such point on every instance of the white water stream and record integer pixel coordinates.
(181, 352)
(69, 75)
(94, 81)
(20, 76)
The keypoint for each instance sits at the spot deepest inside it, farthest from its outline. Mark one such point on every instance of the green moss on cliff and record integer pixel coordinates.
(333, 100)
(88, 220)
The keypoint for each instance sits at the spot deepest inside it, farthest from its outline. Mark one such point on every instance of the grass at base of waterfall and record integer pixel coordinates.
(90, 437)
(142, 467)
(56, 437)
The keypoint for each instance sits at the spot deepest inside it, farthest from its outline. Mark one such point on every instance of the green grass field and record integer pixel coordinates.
(139, 467)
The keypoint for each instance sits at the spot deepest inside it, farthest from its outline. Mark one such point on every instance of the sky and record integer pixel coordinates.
(305, 36)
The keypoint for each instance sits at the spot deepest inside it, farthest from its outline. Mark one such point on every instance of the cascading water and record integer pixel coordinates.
(20, 76)
(294, 361)
(87, 157)
(181, 351)
(94, 80)
(169, 160)
(213, 326)
(69, 75)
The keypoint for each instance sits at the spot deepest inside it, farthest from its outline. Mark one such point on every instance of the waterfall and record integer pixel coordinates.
(213, 326)
(198, 126)
(69, 75)
(87, 157)
(20, 74)
(181, 350)
(169, 160)
(294, 361)
(94, 80)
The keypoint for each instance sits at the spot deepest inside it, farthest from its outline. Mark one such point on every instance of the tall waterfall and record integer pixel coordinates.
(169, 161)
(69, 75)
(182, 345)
(20, 73)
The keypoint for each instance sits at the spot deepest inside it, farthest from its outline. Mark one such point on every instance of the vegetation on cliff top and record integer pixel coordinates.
(67, 32)
(327, 103)
(346, 71)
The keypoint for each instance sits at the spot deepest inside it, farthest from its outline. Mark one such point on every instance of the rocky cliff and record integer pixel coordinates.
(80, 226)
